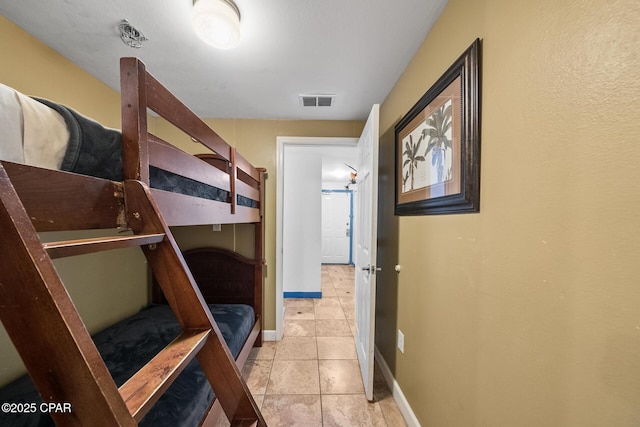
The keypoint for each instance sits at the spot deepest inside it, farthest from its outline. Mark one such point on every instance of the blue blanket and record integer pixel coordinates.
(127, 346)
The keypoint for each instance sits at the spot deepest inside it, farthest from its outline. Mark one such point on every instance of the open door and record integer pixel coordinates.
(366, 247)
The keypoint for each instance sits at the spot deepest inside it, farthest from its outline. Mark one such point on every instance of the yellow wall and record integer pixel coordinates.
(527, 313)
(34, 69)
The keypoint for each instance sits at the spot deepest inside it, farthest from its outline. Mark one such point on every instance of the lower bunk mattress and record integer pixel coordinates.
(127, 346)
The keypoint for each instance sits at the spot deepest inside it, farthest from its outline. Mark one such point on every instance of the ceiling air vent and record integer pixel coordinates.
(316, 100)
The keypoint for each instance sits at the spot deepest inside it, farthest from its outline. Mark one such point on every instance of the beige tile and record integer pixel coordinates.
(346, 273)
(382, 394)
(328, 291)
(298, 302)
(294, 377)
(327, 302)
(345, 292)
(259, 398)
(353, 326)
(347, 302)
(391, 413)
(328, 308)
(340, 376)
(336, 348)
(224, 422)
(299, 328)
(333, 328)
(299, 313)
(256, 374)
(292, 410)
(351, 410)
(350, 313)
(297, 348)
(343, 283)
(329, 313)
(266, 352)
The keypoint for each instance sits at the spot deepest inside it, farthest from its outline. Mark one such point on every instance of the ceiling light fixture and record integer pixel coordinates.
(217, 22)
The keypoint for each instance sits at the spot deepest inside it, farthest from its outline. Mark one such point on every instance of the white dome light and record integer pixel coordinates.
(217, 22)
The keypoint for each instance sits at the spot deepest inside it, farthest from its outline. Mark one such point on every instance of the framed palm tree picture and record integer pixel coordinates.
(437, 144)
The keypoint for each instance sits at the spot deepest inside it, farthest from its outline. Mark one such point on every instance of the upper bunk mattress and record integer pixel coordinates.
(42, 133)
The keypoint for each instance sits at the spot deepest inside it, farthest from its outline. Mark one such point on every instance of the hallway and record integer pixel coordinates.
(312, 378)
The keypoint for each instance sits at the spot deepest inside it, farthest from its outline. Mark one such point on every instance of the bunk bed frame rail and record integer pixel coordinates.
(141, 92)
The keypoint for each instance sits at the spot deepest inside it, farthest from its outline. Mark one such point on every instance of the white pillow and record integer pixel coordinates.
(10, 125)
(45, 134)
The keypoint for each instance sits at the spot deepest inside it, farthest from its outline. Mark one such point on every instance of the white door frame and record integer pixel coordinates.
(281, 142)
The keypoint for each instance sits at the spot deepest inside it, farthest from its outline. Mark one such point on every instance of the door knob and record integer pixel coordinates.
(371, 269)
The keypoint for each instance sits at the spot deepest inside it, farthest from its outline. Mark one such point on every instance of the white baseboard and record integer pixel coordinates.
(269, 335)
(398, 396)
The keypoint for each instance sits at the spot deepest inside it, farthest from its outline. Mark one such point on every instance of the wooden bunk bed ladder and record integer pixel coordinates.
(187, 303)
(42, 322)
(41, 319)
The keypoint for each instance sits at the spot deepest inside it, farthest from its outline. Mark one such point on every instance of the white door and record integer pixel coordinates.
(336, 227)
(366, 245)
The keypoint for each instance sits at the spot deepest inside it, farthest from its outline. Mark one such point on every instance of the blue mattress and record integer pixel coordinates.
(128, 345)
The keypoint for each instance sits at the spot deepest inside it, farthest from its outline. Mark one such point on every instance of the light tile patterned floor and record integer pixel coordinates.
(312, 378)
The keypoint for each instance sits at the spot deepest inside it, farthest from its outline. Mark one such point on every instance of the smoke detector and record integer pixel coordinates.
(324, 100)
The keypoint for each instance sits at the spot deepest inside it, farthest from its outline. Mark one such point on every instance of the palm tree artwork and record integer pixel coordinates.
(439, 133)
(412, 158)
(436, 132)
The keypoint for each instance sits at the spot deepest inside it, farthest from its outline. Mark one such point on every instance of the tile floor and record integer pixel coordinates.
(312, 377)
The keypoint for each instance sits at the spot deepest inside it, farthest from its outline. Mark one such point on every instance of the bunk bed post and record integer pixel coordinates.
(135, 146)
(233, 176)
(259, 257)
(45, 328)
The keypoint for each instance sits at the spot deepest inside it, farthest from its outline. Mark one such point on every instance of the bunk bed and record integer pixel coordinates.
(206, 309)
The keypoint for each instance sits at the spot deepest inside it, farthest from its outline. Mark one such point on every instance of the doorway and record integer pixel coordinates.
(286, 200)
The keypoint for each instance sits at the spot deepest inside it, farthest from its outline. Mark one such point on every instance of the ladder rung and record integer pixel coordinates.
(144, 389)
(85, 246)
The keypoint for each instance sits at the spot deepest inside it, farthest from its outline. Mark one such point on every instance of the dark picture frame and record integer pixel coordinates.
(437, 144)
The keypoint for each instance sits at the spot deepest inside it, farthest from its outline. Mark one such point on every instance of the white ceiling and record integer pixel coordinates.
(355, 49)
